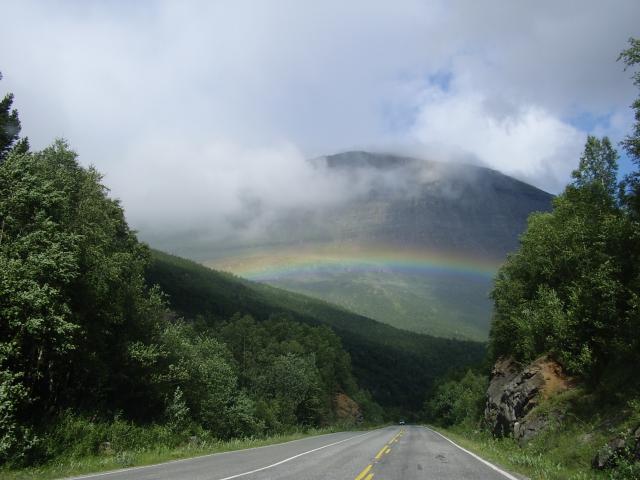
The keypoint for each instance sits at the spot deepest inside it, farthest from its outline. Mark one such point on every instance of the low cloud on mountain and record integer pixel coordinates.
(202, 115)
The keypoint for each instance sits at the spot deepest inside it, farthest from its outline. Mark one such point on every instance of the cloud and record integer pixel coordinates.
(521, 140)
(219, 193)
(201, 113)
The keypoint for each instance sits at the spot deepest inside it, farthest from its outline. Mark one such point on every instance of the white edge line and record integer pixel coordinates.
(178, 460)
(488, 464)
(130, 469)
(292, 458)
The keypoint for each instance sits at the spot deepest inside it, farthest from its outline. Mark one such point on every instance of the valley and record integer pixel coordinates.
(320, 240)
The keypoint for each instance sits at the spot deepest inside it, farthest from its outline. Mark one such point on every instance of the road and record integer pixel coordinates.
(391, 453)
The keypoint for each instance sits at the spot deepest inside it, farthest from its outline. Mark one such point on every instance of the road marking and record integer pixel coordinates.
(124, 470)
(364, 472)
(383, 451)
(488, 464)
(292, 458)
(379, 454)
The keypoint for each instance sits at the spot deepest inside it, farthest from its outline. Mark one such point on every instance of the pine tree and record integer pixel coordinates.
(630, 187)
(9, 125)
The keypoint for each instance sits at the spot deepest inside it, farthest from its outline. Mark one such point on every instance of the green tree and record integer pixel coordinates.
(200, 366)
(630, 187)
(293, 382)
(458, 401)
(291, 371)
(598, 167)
(177, 413)
(9, 126)
(567, 290)
(73, 299)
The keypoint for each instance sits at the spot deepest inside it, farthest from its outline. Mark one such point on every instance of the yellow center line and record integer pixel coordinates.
(362, 474)
(379, 454)
(365, 474)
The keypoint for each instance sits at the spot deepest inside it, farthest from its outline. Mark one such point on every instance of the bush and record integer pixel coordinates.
(458, 402)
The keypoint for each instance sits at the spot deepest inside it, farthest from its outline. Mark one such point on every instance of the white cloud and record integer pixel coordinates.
(195, 109)
(524, 141)
(219, 190)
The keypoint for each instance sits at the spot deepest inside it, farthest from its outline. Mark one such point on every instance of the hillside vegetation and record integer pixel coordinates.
(112, 355)
(571, 294)
(396, 366)
(92, 360)
(441, 305)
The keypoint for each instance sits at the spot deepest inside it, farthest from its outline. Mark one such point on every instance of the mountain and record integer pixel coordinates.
(396, 366)
(415, 244)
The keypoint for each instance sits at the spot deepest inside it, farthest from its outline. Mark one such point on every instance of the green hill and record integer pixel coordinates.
(440, 305)
(395, 365)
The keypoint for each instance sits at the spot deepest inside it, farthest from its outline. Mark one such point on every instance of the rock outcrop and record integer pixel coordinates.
(347, 409)
(514, 392)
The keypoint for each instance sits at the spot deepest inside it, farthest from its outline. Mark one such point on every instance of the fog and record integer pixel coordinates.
(203, 115)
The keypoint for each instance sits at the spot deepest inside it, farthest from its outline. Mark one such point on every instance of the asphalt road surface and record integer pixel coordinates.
(391, 453)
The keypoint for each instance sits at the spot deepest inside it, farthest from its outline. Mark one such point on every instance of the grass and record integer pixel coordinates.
(507, 454)
(71, 465)
(566, 449)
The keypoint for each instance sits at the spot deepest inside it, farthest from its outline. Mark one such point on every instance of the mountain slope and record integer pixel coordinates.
(396, 366)
(439, 305)
(434, 205)
(415, 246)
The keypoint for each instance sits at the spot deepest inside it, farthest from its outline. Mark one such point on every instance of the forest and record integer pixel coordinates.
(572, 289)
(396, 366)
(571, 292)
(107, 345)
(84, 339)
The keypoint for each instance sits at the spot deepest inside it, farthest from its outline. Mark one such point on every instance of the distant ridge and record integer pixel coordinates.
(405, 208)
(362, 159)
(443, 205)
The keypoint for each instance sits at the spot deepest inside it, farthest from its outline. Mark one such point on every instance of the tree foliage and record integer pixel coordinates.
(457, 401)
(83, 333)
(572, 288)
(73, 293)
(630, 186)
(291, 370)
(80, 328)
(394, 365)
(9, 126)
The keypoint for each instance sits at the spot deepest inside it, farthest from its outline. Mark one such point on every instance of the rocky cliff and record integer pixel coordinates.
(514, 391)
(610, 435)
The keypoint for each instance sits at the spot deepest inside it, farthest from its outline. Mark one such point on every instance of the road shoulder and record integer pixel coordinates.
(476, 451)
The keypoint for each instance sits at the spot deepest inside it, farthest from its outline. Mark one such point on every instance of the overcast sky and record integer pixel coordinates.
(186, 106)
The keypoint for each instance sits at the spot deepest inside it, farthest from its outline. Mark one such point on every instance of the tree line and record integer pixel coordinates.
(573, 287)
(84, 338)
(571, 291)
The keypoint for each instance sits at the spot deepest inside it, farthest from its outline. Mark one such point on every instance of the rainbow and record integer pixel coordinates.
(282, 263)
